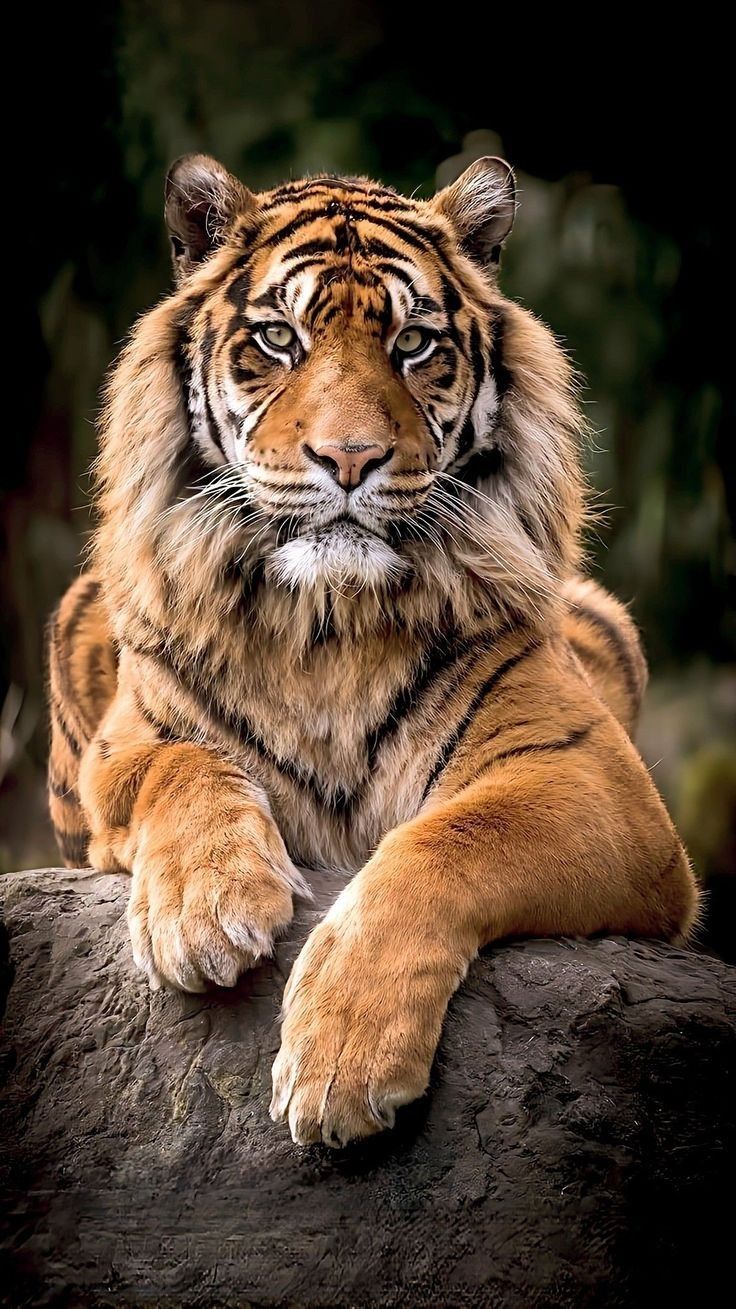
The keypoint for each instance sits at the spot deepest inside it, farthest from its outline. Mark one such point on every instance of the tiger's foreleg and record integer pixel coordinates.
(212, 883)
(565, 841)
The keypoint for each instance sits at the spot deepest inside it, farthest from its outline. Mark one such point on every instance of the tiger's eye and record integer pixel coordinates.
(410, 341)
(279, 335)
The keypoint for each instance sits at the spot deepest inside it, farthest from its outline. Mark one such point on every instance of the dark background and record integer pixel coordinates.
(621, 245)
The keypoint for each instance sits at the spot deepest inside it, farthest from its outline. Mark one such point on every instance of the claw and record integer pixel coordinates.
(283, 1084)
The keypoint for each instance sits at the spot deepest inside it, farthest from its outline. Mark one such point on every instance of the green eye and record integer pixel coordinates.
(279, 335)
(411, 341)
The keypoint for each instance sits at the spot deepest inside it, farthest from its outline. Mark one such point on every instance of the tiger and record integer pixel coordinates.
(336, 615)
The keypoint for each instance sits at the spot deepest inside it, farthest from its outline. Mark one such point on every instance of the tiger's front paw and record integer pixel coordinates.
(195, 920)
(360, 1029)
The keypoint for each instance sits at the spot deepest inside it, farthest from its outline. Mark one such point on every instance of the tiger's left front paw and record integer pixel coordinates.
(361, 1026)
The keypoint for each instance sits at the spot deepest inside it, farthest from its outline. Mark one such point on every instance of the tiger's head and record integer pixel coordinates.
(360, 404)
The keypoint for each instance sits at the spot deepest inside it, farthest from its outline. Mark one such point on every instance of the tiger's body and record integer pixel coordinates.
(334, 618)
(340, 768)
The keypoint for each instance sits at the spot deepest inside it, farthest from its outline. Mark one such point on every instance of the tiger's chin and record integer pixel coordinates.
(335, 557)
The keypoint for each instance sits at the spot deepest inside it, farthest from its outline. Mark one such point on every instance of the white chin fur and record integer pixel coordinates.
(336, 557)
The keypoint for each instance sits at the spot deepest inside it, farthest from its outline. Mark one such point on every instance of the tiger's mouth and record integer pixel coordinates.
(345, 527)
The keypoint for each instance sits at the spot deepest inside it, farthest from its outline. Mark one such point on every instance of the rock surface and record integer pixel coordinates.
(574, 1150)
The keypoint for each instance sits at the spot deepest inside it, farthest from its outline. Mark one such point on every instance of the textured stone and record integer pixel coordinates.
(573, 1151)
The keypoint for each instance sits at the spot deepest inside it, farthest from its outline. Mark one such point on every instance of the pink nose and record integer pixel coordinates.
(349, 463)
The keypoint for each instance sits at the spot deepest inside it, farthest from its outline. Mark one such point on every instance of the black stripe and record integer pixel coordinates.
(89, 593)
(529, 529)
(612, 633)
(446, 653)
(482, 464)
(445, 356)
(476, 356)
(266, 402)
(327, 185)
(269, 300)
(340, 800)
(501, 730)
(317, 246)
(390, 269)
(163, 731)
(566, 743)
(329, 314)
(62, 725)
(323, 629)
(466, 438)
(396, 492)
(373, 245)
(182, 363)
(392, 202)
(206, 350)
(73, 847)
(346, 238)
(238, 290)
(180, 353)
(191, 470)
(312, 261)
(502, 374)
(294, 224)
(453, 741)
(424, 304)
(60, 638)
(430, 418)
(347, 272)
(189, 674)
(428, 669)
(425, 238)
(468, 433)
(240, 372)
(384, 315)
(300, 188)
(96, 671)
(62, 790)
(313, 301)
(451, 297)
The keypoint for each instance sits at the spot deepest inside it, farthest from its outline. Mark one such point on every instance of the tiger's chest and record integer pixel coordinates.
(344, 742)
(333, 742)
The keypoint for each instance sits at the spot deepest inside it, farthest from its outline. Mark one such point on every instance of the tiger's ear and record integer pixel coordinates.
(481, 205)
(201, 201)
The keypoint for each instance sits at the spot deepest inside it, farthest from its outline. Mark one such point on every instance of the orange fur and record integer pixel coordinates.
(269, 665)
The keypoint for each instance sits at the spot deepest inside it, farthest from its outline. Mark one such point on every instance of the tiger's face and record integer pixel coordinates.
(342, 356)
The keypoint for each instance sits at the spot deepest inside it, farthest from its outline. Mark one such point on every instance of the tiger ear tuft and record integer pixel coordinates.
(201, 201)
(481, 206)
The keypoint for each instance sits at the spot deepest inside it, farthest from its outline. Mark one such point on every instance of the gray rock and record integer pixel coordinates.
(574, 1150)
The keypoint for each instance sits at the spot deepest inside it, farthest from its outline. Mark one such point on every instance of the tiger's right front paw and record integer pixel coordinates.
(194, 921)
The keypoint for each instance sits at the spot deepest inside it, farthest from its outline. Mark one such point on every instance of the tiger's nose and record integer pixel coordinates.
(349, 463)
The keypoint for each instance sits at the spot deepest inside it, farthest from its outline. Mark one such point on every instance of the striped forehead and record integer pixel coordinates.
(313, 294)
(341, 244)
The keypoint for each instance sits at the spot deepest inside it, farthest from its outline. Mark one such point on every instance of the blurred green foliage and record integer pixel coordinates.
(610, 248)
